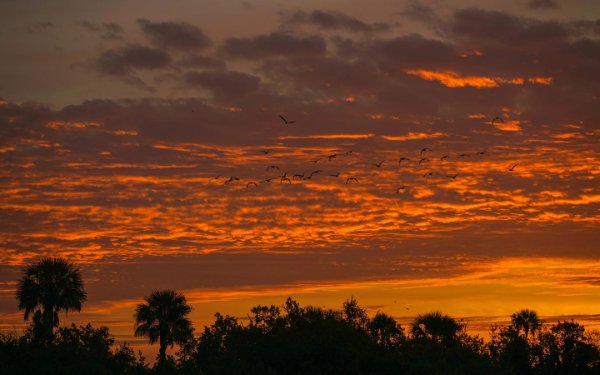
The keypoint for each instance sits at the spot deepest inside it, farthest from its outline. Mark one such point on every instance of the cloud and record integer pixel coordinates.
(123, 61)
(543, 4)
(330, 20)
(275, 44)
(39, 27)
(199, 61)
(109, 30)
(180, 36)
(226, 84)
(499, 27)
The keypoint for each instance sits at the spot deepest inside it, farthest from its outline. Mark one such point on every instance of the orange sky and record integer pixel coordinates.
(123, 169)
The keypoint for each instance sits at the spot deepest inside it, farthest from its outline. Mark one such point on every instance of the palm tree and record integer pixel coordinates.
(436, 326)
(49, 286)
(163, 318)
(527, 321)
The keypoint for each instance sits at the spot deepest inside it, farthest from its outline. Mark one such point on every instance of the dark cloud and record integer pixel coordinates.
(175, 35)
(125, 60)
(224, 84)
(419, 11)
(199, 61)
(543, 4)
(274, 44)
(336, 21)
(498, 27)
(412, 51)
(108, 30)
(40, 27)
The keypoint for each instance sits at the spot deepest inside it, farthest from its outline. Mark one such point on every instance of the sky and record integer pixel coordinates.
(441, 155)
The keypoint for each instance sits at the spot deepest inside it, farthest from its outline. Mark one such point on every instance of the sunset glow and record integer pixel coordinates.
(416, 155)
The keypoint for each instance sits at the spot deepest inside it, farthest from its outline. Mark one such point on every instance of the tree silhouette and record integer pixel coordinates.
(385, 331)
(526, 321)
(163, 318)
(48, 287)
(437, 327)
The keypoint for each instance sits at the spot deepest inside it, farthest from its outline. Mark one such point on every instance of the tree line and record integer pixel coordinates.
(286, 339)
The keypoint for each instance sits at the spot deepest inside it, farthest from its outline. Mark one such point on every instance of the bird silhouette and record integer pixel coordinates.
(315, 172)
(251, 183)
(423, 160)
(285, 179)
(231, 179)
(401, 188)
(444, 157)
(452, 176)
(300, 176)
(463, 155)
(269, 179)
(378, 165)
(350, 179)
(272, 167)
(401, 160)
(481, 153)
(334, 175)
(286, 121)
(424, 149)
(317, 160)
(497, 118)
(332, 156)
(348, 152)
(512, 168)
(266, 152)
(428, 174)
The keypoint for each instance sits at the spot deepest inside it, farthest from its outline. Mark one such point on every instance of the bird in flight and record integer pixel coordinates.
(317, 160)
(269, 179)
(497, 118)
(378, 165)
(452, 176)
(334, 175)
(300, 176)
(332, 156)
(266, 152)
(272, 167)
(462, 155)
(423, 160)
(285, 179)
(348, 152)
(401, 188)
(444, 157)
(350, 179)
(424, 149)
(512, 168)
(251, 183)
(231, 179)
(401, 160)
(428, 174)
(481, 153)
(286, 121)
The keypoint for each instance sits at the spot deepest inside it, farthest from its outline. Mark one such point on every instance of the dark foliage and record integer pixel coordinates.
(73, 350)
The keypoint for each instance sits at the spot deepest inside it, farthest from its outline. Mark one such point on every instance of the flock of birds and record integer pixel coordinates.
(286, 177)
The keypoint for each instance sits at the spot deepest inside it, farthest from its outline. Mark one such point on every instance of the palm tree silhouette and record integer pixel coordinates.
(527, 321)
(49, 286)
(436, 326)
(163, 318)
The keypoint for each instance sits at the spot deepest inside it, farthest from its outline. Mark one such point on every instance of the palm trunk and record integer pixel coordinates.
(163, 349)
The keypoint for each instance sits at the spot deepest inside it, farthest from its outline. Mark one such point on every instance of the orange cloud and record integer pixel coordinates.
(540, 80)
(412, 135)
(454, 79)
